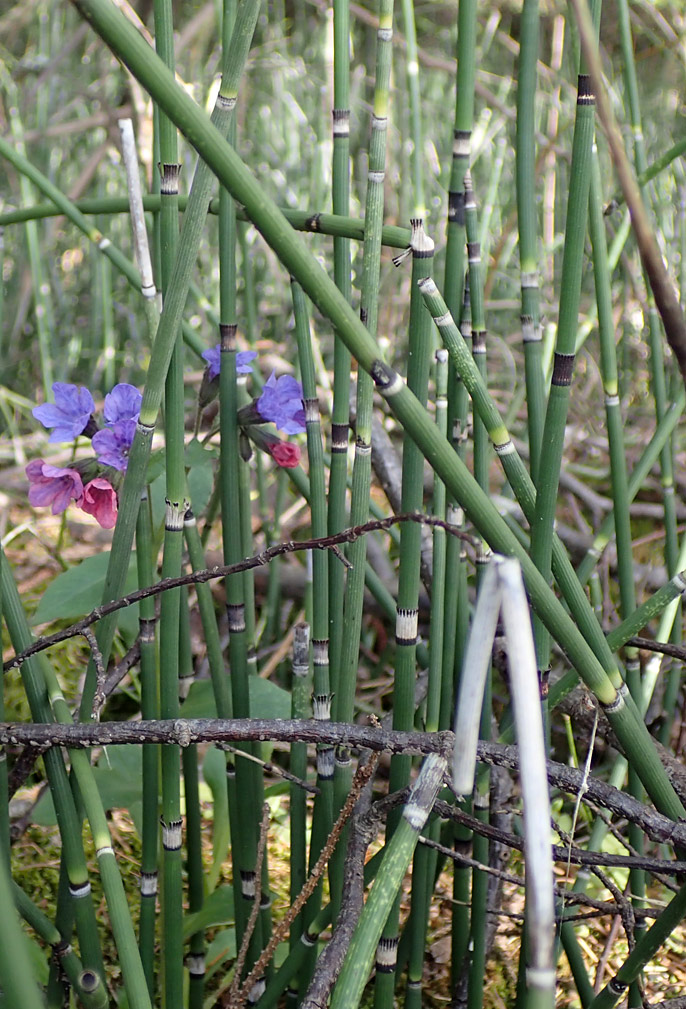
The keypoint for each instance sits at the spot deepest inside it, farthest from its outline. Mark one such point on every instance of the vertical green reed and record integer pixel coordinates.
(300, 708)
(618, 480)
(228, 166)
(478, 326)
(528, 230)
(170, 320)
(150, 706)
(48, 704)
(175, 510)
(455, 617)
(323, 816)
(16, 969)
(436, 706)
(346, 680)
(558, 402)
(382, 897)
(341, 364)
(420, 334)
(414, 101)
(655, 334)
(641, 469)
(44, 314)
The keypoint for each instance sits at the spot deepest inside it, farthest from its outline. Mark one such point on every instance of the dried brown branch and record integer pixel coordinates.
(221, 571)
(187, 731)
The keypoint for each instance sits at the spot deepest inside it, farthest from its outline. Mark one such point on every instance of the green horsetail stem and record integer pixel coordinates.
(636, 480)
(435, 686)
(175, 510)
(528, 231)
(134, 51)
(44, 316)
(300, 708)
(361, 481)
(338, 470)
(407, 611)
(649, 173)
(41, 924)
(170, 319)
(618, 476)
(48, 704)
(17, 977)
(149, 709)
(515, 471)
(244, 829)
(552, 439)
(645, 949)
(461, 153)
(608, 365)
(322, 816)
(336, 225)
(671, 545)
(478, 325)
(383, 894)
(414, 103)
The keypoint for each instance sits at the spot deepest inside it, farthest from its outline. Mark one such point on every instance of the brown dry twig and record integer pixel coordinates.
(222, 571)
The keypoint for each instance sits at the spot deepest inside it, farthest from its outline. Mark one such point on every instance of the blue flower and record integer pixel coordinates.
(123, 403)
(112, 444)
(212, 356)
(281, 402)
(69, 414)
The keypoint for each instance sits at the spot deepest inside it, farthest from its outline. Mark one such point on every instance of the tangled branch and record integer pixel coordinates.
(224, 570)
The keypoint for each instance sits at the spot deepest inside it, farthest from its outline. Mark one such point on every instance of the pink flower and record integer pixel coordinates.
(284, 453)
(51, 485)
(100, 500)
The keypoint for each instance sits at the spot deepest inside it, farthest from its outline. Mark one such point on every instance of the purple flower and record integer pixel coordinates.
(281, 402)
(112, 444)
(243, 357)
(69, 414)
(123, 403)
(51, 485)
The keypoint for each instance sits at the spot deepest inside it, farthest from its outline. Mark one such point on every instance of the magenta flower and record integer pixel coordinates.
(51, 485)
(100, 500)
(285, 453)
(123, 403)
(112, 444)
(69, 415)
(243, 357)
(281, 402)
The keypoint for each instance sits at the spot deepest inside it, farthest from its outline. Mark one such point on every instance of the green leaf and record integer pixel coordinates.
(266, 698)
(214, 773)
(156, 465)
(217, 910)
(198, 455)
(222, 948)
(75, 592)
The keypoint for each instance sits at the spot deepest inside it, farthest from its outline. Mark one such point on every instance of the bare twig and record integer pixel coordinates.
(664, 647)
(363, 829)
(221, 571)
(601, 907)
(575, 855)
(234, 997)
(99, 697)
(186, 731)
(362, 775)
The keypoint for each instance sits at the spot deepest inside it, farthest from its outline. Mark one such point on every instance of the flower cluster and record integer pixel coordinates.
(92, 483)
(281, 403)
(73, 414)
